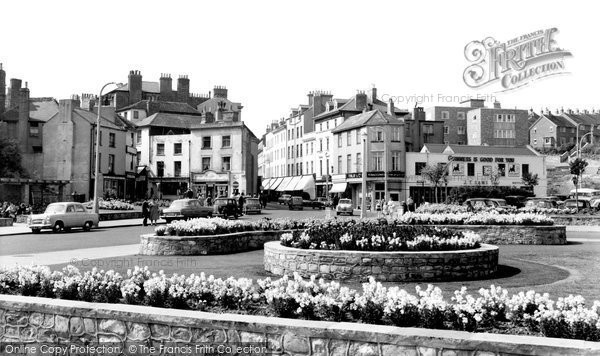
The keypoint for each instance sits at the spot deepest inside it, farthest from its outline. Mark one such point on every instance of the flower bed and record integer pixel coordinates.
(390, 266)
(489, 310)
(483, 218)
(111, 204)
(378, 235)
(212, 226)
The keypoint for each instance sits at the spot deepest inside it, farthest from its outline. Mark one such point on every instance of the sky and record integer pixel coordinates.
(270, 54)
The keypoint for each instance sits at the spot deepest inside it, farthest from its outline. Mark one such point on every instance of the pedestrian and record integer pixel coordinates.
(404, 207)
(154, 212)
(189, 194)
(241, 201)
(411, 204)
(145, 212)
(470, 208)
(208, 200)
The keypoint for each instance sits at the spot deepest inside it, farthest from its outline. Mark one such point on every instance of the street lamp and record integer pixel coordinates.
(579, 143)
(326, 155)
(97, 164)
(577, 140)
(363, 205)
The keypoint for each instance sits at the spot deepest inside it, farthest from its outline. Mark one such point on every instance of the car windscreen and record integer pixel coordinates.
(55, 209)
(178, 204)
(252, 201)
(220, 202)
(345, 201)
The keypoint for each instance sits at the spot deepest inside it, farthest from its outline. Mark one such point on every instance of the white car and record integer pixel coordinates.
(344, 207)
(63, 216)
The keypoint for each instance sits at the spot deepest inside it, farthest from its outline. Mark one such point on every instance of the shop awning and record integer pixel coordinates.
(276, 183)
(307, 185)
(266, 183)
(338, 187)
(283, 186)
(293, 182)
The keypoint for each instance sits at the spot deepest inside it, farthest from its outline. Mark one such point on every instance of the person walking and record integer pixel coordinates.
(154, 212)
(145, 212)
(241, 201)
(411, 204)
(404, 207)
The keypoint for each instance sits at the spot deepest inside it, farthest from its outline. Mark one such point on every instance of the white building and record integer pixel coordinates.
(472, 166)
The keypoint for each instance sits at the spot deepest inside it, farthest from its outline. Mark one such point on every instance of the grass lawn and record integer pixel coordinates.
(558, 270)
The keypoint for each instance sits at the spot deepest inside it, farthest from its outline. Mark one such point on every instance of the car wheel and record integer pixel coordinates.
(87, 226)
(168, 220)
(57, 226)
(35, 231)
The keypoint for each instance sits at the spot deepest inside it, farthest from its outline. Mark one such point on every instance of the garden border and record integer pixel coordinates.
(514, 234)
(30, 319)
(397, 266)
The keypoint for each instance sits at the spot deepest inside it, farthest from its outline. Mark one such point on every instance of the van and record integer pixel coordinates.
(296, 203)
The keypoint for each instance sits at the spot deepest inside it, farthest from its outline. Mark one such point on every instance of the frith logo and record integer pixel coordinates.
(515, 63)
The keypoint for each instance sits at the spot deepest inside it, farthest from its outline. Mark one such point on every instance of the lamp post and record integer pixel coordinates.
(579, 143)
(97, 160)
(363, 205)
(326, 156)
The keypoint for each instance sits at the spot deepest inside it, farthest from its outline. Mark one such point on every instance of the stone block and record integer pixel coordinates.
(180, 334)
(76, 326)
(364, 349)
(138, 331)
(16, 319)
(338, 347)
(209, 336)
(112, 326)
(246, 336)
(295, 344)
(397, 350)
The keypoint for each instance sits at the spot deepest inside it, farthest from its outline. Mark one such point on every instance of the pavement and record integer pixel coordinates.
(21, 228)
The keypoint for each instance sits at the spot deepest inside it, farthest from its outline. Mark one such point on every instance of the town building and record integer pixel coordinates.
(564, 128)
(420, 131)
(473, 166)
(476, 124)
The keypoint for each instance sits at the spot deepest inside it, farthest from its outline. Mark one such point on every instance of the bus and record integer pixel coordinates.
(585, 194)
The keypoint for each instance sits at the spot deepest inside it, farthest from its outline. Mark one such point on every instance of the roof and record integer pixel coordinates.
(582, 119)
(213, 100)
(478, 150)
(350, 105)
(104, 122)
(149, 87)
(42, 109)
(168, 120)
(557, 120)
(373, 117)
(162, 106)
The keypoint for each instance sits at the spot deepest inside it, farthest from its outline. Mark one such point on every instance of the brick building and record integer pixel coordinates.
(564, 127)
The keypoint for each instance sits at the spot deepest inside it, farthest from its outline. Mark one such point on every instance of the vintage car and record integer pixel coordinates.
(252, 205)
(284, 199)
(183, 209)
(478, 203)
(344, 207)
(540, 203)
(296, 203)
(518, 201)
(573, 203)
(320, 203)
(225, 208)
(63, 216)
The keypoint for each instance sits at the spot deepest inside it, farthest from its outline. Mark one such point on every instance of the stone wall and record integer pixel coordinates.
(516, 234)
(206, 245)
(577, 220)
(405, 266)
(6, 221)
(29, 321)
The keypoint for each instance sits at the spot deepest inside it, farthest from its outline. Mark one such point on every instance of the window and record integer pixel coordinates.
(572, 130)
(206, 142)
(551, 129)
(358, 161)
(339, 140)
(111, 163)
(419, 166)
(339, 168)
(160, 149)
(358, 137)
(535, 130)
(470, 169)
(139, 137)
(226, 141)
(177, 168)
(446, 129)
(160, 168)
(138, 157)
(501, 169)
(136, 115)
(524, 169)
(327, 148)
(348, 138)
(460, 115)
(377, 159)
(460, 142)
(227, 163)
(499, 118)
(321, 127)
(348, 163)
(177, 148)
(535, 140)
(445, 115)
(461, 130)
(396, 160)
(34, 129)
(101, 137)
(288, 153)
(125, 115)
(132, 139)
(378, 135)
(396, 133)
(428, 129)
(312, 148)
(327, 123)
(320, 145)
(548, 140)
(312, 167)
(320, 167)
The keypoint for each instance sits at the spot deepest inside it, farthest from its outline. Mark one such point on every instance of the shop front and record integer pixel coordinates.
(211, 184)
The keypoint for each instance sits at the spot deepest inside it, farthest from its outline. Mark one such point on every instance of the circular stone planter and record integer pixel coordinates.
(206, 245)
(514, 234)
(401, 266)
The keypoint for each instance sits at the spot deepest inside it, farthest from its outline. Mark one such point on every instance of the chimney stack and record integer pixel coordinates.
(88, 101)
(13, 94)
(23, 123)
(361, 101)
(391, 110)
(166, 87)
(220, 91)
(310, 98)
(373, 93)
(2, 90)
(135, 86)
(497, 105)
(183, 88)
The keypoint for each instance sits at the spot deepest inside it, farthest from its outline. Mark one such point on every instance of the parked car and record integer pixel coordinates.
(518, 201)
(65, 215)
(320, 203)
(558, 199)
(572, 204)
(225, 208)
(284, 199)
(184, 209)
(296, 203)
(344, 206)
(252, 205)
(486, 203)
(540, 203)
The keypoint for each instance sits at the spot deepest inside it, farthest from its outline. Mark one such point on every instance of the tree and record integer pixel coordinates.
(495, 175)
(435, 174)
(577, 167)
(11, 159)
(530, 180)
